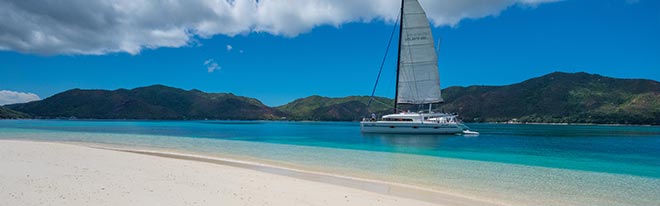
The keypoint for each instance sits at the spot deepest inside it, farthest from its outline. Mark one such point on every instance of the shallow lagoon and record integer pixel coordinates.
(519, 164)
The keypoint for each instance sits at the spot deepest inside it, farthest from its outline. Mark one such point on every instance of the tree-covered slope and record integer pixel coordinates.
(335, 109)
(556, 97)
(560, 97)
(152, 102)
(6, 113)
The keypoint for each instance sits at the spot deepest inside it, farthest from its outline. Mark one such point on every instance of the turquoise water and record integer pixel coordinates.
(516, 164)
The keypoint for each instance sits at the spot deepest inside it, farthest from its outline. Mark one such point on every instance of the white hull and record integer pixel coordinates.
(410, 128)
(415, 123)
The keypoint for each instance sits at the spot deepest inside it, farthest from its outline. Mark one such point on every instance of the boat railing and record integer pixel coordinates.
(365, 119)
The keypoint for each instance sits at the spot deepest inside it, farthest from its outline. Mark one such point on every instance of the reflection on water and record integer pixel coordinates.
(415, 141)
(232, 122)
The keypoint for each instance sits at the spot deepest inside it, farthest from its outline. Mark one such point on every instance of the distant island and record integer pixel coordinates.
(554, 98)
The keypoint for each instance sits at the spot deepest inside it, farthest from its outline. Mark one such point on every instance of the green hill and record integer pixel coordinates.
(152, 102)
(6, 113)
(335, 109)
(560, 97)
(556, 97)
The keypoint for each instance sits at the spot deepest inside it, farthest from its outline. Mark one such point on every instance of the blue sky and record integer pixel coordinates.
(618, 38)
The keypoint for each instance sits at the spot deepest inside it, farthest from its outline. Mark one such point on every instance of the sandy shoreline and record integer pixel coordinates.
(44, 173)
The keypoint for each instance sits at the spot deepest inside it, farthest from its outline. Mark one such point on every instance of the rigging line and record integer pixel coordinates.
(382, 64)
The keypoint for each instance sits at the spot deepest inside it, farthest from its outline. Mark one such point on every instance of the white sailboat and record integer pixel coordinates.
(418, 82)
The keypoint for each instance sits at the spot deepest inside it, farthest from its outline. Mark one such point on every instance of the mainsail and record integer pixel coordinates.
(418, 78)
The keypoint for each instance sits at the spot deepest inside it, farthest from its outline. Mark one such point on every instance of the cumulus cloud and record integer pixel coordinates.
(229, 47)
(12, 97)
(52, 27)
(211, 65)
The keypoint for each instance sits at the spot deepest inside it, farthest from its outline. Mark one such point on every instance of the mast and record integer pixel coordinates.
(398, 61)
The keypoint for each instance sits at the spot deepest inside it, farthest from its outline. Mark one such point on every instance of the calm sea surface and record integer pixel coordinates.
(517, 164)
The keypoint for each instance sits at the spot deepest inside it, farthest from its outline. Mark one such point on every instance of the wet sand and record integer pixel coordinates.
(44, 173)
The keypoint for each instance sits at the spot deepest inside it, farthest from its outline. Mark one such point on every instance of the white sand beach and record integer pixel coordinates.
(44, 173)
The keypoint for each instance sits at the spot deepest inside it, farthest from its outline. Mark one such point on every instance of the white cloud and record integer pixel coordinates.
(229, 47)
(211, 65)
(52, 27)
(12, 97)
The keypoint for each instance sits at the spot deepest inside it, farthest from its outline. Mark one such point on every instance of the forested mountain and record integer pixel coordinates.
(554, 98)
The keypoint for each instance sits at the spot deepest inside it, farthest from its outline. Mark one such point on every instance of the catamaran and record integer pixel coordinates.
(418, 82)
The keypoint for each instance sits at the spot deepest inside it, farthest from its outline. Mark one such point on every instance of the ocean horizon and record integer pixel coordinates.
(514, 164)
